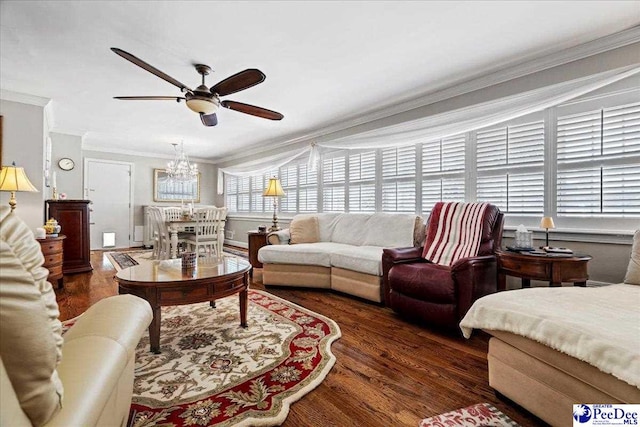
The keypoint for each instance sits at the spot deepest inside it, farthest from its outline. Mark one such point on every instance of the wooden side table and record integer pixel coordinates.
(52, 249)
(257, 239)
(554, 269)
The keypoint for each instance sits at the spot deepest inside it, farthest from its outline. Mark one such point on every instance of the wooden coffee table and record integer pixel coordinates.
(164, 283)
(554, 269)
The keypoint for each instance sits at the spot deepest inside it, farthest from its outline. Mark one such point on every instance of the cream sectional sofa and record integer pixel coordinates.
(345, 253)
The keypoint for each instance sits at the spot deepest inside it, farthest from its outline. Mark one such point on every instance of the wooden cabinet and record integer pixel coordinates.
(73, 217)
(52, 249)
(257, 239)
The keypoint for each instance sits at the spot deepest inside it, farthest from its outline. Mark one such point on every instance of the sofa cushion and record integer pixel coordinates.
(363, 259)
(351, 229)
(304, 253)
(633, 270)
(390, 230)
(304, 230)
(30, 332)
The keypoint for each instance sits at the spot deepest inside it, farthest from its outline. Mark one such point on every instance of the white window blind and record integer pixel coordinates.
(510, 163)
(258, 184)
(333, 179)
(362, 182)
(399, 179)
(443, 164)
(289, 182)
(599, 162)
(244, 189)
(231, 193)
(307, 189)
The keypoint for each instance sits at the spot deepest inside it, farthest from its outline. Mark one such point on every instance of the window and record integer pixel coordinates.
(362, 182)
(231, 192)
(333, 182)
(510, 162)
(399, 179)
(244, 194)
(599, 161)
(591, 146)
(443, 176)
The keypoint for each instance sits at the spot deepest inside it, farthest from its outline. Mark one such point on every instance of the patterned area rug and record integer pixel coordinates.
(125, 259)
(482, 414)
(213, 372)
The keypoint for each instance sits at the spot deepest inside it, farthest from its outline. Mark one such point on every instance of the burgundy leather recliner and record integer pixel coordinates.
(436, 294)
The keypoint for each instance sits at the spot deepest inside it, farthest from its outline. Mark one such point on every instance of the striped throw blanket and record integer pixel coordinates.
(457, 234)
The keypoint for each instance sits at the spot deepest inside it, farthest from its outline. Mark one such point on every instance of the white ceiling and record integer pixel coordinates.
(325, 62)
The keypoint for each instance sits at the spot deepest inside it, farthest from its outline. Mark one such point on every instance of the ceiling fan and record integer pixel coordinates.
(203, 100)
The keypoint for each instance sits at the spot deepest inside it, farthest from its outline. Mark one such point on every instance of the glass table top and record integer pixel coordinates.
(171, 269)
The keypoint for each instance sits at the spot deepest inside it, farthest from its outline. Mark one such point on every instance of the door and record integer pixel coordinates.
(108, 186)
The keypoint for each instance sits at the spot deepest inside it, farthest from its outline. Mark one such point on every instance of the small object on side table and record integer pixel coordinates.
(52, 249)
(538, 265)
(257, 239)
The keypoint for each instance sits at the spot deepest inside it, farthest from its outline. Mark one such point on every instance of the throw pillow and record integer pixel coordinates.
(304, 230)
(30, 332)
(633, 270)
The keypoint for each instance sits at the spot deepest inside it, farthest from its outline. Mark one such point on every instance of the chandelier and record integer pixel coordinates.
(179, 169)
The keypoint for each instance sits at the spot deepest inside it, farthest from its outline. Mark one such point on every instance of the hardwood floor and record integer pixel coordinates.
(388, 372)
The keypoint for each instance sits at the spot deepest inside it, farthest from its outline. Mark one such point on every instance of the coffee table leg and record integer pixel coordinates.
(154, 331)
(244, 298)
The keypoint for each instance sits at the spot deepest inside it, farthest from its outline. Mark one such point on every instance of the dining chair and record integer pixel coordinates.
(209, 231)
(161, 238)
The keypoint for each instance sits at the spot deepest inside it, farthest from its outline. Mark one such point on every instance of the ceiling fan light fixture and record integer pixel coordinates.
(202, 105)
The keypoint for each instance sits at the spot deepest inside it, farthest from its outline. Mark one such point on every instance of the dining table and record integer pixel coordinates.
(175, 226)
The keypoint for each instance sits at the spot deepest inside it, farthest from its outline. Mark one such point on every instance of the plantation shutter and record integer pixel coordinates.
(362, 182)
(399, 179)
(289, 182)
(307, 189)
(443, 163)
(599, 162)
(244, 190)
(510, 163)
(333, 179)
(231, 193)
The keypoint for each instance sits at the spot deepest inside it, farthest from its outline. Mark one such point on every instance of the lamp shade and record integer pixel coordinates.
(547, 222)
(274, 188)
(13, 178)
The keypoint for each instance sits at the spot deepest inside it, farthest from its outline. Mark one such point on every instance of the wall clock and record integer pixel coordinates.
(66, 164)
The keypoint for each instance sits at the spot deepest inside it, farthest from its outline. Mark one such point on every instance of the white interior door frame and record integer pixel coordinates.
(85, 188)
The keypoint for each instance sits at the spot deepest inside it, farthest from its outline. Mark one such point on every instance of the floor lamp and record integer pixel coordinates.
(274, 189)
(14, 179)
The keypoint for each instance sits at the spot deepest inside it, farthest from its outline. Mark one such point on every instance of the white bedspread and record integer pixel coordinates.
(599, 325)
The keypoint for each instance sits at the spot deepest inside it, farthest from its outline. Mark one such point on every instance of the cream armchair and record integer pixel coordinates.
(84, 378)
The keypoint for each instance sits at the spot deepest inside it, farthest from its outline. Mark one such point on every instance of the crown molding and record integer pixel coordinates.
(102, 149)
(488, 77)
(23, 98)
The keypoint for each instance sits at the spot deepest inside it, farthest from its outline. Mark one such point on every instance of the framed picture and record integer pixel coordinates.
(169, 190)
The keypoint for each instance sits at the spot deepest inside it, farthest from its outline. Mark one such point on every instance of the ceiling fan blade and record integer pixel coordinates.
(239, 81)
(209, 119)
(252, 109)
(149, 98)
(150, 68)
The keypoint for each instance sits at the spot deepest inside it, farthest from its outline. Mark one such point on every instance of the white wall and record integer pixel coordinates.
(70, 146)
(23, 143)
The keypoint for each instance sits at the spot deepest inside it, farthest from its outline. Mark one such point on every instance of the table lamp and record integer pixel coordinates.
(547, 223)
(14, 179)
(274, 189)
